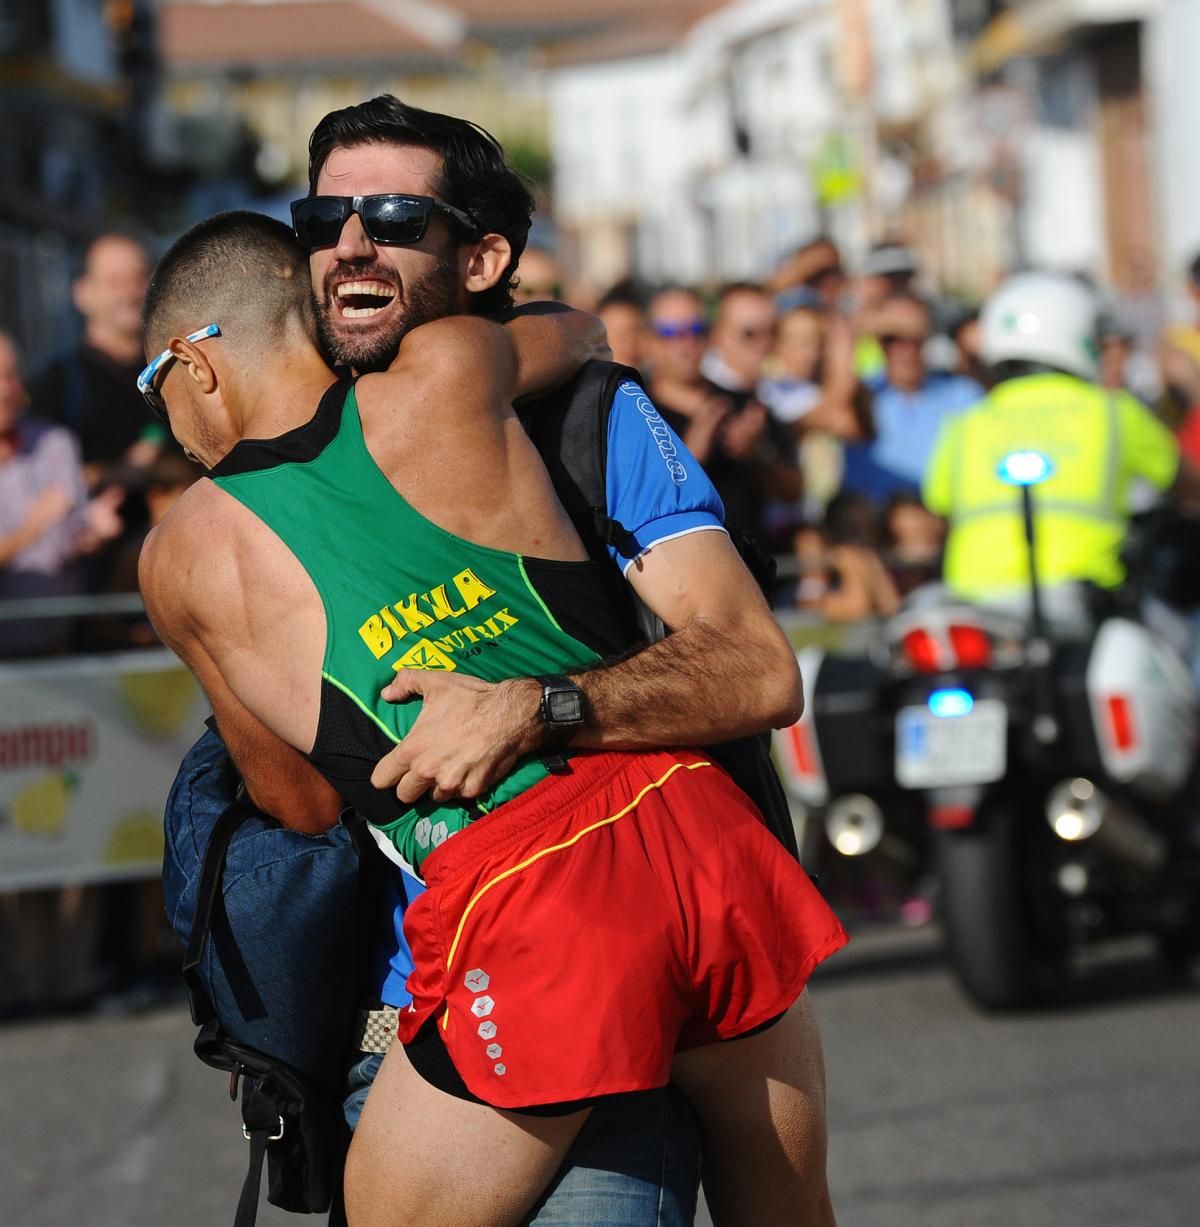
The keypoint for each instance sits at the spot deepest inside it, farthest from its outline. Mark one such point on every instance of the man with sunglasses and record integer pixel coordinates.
(281, 581)
(707, 395)
(404, 207)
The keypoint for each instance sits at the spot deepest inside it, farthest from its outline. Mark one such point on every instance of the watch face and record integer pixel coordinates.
(564, 707)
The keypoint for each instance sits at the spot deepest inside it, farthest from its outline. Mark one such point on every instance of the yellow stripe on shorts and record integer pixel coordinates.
(537, 856)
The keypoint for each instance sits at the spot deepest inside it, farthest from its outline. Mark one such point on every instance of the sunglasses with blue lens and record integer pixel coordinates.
(149, 377)
(674, 331)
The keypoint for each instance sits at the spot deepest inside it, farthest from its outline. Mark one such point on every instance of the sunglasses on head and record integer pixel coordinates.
(391, 218)
(669, 331)
(159, 366)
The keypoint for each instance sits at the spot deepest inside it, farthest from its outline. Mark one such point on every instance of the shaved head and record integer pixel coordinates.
(242, 271)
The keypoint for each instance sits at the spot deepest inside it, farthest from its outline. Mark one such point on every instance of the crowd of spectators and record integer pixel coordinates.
(82, 465)
(814, 399)
(84, 474)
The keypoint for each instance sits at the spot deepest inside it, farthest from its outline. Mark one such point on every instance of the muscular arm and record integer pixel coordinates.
(726, 670)
(278, 778)
(835, 412)
(534, 352)
(551, 342)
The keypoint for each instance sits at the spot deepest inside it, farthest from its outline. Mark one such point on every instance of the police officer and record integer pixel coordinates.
(1039, 338)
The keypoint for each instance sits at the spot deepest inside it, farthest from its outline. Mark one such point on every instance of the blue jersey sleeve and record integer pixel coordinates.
(656, 488)
(393, 958)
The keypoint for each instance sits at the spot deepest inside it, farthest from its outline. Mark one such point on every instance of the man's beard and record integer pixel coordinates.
(433, 297)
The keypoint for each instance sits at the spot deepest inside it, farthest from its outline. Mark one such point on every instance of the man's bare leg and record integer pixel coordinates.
(422, 1156)
(761, 1105)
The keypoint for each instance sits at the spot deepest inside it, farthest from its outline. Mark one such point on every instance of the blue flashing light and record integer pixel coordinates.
(1025, 468)
(951, 702)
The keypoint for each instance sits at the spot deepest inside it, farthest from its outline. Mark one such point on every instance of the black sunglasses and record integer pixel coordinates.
(390, 218)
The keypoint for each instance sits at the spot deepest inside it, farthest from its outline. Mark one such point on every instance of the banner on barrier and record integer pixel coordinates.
(88, 749)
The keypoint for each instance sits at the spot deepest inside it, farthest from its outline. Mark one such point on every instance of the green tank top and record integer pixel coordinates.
(401, 593)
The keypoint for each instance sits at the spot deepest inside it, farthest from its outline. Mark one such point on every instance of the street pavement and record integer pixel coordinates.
(1088, 1115)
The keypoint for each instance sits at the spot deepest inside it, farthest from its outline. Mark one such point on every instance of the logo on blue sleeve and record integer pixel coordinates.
(663, 438)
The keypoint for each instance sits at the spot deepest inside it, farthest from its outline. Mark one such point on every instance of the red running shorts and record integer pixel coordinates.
(571, 941)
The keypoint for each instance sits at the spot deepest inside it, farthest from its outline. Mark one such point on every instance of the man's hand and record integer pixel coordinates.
(728, 670)
(468, 735)
(102, 520)
(704, 427)
(744, 431)
(143, 453)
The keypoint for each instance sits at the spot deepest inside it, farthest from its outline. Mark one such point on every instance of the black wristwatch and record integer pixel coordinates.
(562, 711)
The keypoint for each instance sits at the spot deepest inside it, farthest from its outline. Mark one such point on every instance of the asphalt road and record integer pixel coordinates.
(1089, 1115)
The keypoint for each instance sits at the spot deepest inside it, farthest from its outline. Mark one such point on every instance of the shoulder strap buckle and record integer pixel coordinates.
(611, 532)
(273, 1137)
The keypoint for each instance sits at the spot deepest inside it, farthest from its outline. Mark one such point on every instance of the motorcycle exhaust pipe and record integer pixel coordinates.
(1078, 811)
(854, 824)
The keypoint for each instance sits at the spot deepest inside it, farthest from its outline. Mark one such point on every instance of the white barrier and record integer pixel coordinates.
(89, 746)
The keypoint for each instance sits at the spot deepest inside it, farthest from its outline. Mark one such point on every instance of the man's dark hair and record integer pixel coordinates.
(851, 519)
(242, 271)
(475, 174)
(625, 293)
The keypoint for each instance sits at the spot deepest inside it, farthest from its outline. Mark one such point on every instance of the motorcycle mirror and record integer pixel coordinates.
(1024, 468)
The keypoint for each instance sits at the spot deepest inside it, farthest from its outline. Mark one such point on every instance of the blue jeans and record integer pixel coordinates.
(635, 1163)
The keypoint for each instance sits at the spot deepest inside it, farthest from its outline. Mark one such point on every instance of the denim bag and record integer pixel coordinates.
(278, 928)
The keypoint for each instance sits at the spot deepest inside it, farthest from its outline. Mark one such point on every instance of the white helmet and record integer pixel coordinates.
(1042, 317)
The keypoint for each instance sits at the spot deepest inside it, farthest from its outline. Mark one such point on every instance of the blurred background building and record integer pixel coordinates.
(687, 140)
(798, 170)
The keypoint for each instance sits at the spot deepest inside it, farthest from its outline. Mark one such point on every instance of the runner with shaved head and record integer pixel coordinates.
(404, 522)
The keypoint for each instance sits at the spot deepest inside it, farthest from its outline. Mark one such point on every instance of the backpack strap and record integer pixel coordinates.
(371, 864)
(212, 873)
(262, 1124)
(583, 442)
(569, 427)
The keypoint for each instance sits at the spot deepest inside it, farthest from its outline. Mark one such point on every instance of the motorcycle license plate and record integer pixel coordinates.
(941, 751)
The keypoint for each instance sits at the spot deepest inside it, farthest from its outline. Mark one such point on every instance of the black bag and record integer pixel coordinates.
(278, 927)
(570, 430)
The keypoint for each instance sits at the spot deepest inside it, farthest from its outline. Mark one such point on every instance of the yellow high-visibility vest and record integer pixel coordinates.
(1098, 443)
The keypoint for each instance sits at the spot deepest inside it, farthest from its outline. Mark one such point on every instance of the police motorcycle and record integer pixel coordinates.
(1048, 775)
(1041, 756)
